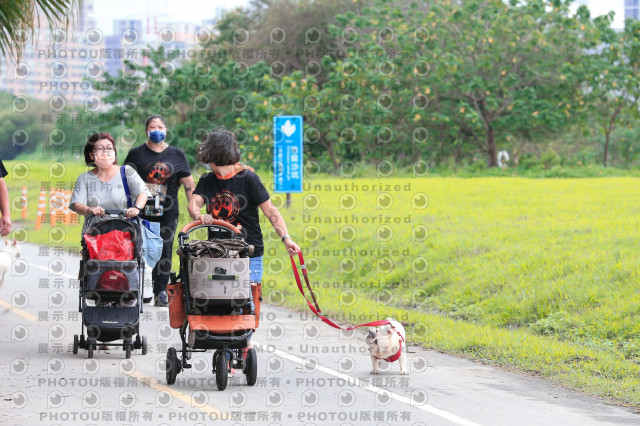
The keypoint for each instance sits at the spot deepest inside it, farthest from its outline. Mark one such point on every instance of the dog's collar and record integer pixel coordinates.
(397, 355)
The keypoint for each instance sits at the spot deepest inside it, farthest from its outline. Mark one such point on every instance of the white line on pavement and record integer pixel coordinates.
(354, 381)
(47, 270)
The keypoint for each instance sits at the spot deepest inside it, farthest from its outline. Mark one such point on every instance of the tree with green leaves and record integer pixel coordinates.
(19, 19)
(507, 67)
(426, 80)
(612, 73)
(22, 132)
(294, 35)
(413, 82)
(369, 106)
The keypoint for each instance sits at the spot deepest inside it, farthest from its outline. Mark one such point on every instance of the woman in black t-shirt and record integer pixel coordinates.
(233, 193)
(164, 168)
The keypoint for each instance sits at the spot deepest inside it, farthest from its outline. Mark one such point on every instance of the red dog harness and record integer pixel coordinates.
(397, 355)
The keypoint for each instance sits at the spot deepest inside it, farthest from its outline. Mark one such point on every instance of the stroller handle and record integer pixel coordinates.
(216, 222)
(115, 212)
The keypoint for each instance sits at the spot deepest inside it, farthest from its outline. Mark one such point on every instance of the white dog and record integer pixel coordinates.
(10, 253)
(387, 343)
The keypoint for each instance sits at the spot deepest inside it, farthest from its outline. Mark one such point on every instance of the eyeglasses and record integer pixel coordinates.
(104, 150)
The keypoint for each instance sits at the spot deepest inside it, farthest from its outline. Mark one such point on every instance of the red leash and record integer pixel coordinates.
(315, 308)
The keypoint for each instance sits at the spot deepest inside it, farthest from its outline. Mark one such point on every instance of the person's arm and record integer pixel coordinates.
(194, 206)
(79, 199)
(185, 177)
(5, 222)
(277, 221)
(197, 200)
(189, 186)
(140, 201)
(84, 210)
(138, 189)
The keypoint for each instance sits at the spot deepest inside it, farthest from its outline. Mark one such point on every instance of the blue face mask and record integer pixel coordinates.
(157, 136)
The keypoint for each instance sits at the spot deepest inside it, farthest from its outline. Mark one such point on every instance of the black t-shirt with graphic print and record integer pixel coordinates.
(236, 200)
(161, 171)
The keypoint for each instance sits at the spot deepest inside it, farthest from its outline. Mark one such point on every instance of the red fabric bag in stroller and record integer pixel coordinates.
(114, 245)
(110, 275)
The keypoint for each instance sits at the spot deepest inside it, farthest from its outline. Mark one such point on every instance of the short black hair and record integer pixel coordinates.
(219, 147)
(153, 117)
(93, 140)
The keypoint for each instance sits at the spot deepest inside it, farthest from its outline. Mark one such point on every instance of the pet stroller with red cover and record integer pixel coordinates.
(111, 275)
(209, 302)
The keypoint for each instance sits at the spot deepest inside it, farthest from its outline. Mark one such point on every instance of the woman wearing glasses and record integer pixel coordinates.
(101, 188)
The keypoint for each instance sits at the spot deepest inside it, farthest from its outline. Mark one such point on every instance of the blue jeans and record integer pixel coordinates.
(255, 275)
(255, 269)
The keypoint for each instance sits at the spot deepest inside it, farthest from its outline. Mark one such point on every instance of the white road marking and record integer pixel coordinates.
(47, 270)
(355, 382)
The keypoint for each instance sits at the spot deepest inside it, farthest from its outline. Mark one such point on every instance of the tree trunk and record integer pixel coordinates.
(607, 137)
(607, 133)
(491, 148)
(334, 159)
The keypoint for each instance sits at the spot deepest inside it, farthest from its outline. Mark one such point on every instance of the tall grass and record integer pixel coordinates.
(539, 274)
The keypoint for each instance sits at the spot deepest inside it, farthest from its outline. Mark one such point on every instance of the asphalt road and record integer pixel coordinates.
(308, 373)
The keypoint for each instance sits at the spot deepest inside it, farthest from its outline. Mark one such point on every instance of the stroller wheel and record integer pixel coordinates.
(76, 344)
(144, 345)
(90, 348)
(172, 365)
(251, 367)
(222, 369)
(127, 350)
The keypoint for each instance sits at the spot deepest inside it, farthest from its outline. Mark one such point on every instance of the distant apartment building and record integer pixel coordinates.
(56, 65)
(631, 9)
(61, 65)
(127, 42)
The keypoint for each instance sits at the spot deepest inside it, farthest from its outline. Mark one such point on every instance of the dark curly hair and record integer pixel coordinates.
(219, 147)
(91, 142)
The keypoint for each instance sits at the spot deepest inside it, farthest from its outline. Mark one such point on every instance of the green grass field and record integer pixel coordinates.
(536, 275)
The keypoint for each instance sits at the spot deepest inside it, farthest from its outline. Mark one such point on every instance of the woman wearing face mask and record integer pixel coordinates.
(101, 188)
(164, 168)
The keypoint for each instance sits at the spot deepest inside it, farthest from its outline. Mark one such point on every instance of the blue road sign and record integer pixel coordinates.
(287, 153)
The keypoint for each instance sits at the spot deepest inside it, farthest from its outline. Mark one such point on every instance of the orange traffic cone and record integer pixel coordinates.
(42, 208)
(25, 203)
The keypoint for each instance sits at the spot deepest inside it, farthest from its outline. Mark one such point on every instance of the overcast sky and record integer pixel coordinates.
(105, 11)
(602, 7)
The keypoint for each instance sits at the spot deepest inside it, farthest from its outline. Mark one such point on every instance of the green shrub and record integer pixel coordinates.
(550, 158)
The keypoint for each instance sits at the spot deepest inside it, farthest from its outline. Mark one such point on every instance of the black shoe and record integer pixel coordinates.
(161, 299)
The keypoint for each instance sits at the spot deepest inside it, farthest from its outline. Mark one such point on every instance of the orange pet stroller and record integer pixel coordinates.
(209, 302)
